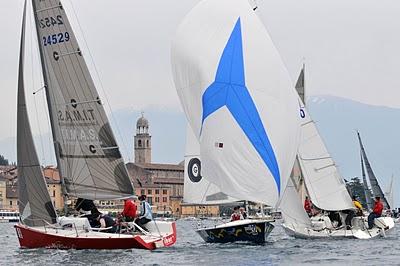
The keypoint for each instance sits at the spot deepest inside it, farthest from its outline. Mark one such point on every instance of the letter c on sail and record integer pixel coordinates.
(229, 90)
(92, 149)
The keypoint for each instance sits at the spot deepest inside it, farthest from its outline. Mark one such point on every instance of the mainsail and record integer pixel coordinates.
(238, 99)
(197, 189)
(367, 191)
(35, 206)
(88, 156)
(324, 183)
(376, 189)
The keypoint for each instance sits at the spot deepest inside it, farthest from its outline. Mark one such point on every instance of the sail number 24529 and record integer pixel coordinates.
(56, 38)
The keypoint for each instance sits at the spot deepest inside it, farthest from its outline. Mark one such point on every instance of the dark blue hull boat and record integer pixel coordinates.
(249, 230)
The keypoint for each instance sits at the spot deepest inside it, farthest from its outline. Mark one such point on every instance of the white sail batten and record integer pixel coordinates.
(324, 183)
(34, 202)
(238, 98)
(88, 156)
(197, 189)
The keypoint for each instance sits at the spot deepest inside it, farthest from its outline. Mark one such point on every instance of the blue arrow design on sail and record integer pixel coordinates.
(229, 89)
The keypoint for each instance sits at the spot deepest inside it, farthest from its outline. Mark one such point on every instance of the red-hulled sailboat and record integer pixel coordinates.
(87, 154)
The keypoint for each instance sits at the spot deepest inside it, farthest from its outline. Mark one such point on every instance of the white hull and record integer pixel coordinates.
(381, 228)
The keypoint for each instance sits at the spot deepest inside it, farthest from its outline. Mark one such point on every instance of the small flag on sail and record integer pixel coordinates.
(219, 145)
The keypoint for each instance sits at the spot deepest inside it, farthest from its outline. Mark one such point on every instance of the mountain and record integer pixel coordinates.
(337, 120)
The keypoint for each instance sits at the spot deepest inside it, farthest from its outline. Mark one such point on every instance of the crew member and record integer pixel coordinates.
(129, 212)
(308, 206)
(376, 212)
(107, 221)
(145, 215)
(235, 215)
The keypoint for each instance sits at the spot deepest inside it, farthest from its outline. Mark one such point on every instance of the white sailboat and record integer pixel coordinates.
(239, 102)
(87, 154)
(325, 187)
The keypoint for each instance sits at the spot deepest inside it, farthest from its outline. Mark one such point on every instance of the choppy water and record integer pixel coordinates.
(191, 250)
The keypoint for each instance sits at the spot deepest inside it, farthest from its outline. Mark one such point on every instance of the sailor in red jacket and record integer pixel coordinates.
(308, 206)
(129, 212)
(377, 212)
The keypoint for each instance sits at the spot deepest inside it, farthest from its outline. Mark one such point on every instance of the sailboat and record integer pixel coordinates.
(241, 108)
(87, 154)
(320, 179)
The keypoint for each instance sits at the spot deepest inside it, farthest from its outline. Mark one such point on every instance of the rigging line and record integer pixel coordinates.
(34, 98)
(101, 83)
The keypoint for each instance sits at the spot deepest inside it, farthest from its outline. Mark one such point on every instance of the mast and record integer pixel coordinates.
(49, 106)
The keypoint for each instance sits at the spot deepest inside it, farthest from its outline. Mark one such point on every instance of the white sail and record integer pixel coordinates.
(88, 156)
(238, 98)
(291, 207)
(389, 193)
(197, 189)
(34, 202)
(324, 183)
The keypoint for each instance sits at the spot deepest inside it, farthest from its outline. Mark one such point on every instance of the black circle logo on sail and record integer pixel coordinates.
(194, 170)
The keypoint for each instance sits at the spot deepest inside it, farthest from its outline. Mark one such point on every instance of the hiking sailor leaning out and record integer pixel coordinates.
(376, 212)
(145, 215)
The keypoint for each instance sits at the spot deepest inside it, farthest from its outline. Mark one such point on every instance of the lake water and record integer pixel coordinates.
(190, 249)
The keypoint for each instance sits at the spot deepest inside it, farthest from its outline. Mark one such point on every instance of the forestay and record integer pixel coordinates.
(34, 202)
(197, 189)
(376, 189)
(88, 156)
(238, 98)
(324, 183)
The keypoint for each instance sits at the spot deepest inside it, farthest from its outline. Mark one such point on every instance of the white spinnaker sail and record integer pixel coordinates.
(324, 183)
(293, 212)
(238, 98)
(34, 203)
(197, 189)
(88, 156)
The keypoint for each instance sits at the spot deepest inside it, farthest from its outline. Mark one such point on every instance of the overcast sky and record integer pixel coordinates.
(351, 48)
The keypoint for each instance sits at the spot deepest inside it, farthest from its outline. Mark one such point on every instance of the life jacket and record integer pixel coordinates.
(235, 216)
(378, 208)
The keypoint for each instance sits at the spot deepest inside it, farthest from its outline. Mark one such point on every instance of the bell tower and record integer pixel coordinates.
(142, 141)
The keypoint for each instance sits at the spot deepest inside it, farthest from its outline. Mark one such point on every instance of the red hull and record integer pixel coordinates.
(32, 238)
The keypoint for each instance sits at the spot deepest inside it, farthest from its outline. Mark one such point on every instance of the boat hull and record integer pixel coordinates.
(30, 237)
(383, 225)
(255, 231)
